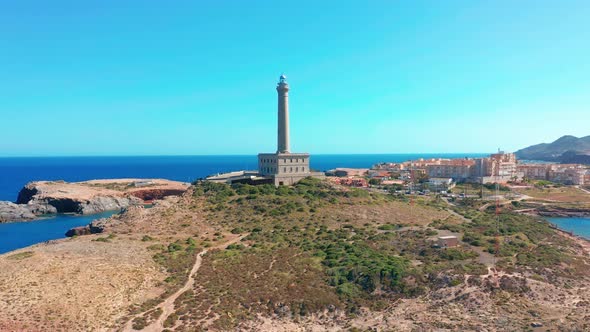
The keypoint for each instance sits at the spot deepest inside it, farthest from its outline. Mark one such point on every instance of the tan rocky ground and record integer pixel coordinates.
(76, 284)
(87, 283)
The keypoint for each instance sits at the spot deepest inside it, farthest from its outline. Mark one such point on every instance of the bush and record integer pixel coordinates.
(235, 246)
(172, 247)
(454, 254)
(473, 239)
(363, 266)
(139, 323)
(347, 290)
(146, 238)
(492, 186)
(237, 230)
(386, 227)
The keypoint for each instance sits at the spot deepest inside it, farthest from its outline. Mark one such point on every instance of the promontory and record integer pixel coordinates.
(88, 197)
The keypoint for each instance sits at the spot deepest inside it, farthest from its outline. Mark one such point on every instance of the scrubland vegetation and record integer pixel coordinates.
(307, 253)
(330, 256)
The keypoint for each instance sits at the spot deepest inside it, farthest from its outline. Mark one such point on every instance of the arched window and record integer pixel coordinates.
(284, 169)
(296, 169)
(302, 169)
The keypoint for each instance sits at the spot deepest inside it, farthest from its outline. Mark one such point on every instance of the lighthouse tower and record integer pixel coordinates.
(283, 107)
(283, 167)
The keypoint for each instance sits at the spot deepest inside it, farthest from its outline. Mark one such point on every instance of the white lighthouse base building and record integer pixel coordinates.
(284, 168)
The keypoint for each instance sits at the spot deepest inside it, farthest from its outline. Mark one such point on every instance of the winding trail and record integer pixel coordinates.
(167, 305)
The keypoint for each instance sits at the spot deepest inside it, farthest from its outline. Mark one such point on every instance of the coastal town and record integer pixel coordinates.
(440, 174)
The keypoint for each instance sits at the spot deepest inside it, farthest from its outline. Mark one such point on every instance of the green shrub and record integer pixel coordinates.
(455, 254)
(139, 323)
(386, 227)
(237, 230)
(172, 247)
(235, 246)
(363, 266)
(146, 238)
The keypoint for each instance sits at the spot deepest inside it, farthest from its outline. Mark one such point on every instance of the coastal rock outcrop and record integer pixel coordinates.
(62, 197)
(557, 211)
(22, 212)
(17, 212)
(95, 227)
(100, 225)
(89, 197)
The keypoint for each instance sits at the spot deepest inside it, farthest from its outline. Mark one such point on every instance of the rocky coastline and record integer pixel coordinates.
(562, 212)
(40, 198)
(95, 227)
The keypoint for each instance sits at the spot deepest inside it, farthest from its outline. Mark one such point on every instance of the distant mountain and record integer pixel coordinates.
(566, 149)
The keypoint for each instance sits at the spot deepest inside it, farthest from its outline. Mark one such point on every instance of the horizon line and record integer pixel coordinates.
(237, 155)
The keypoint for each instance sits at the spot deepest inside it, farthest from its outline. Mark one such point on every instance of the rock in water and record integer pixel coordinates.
(77, 231)
(14, 212)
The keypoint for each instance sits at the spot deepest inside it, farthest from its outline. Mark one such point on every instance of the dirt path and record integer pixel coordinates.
(168, 305)
(582, 189)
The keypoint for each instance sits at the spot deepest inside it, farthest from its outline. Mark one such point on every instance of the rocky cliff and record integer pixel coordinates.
(89, 197)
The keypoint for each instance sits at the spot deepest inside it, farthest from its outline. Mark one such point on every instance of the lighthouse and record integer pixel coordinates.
(283, 115)
(284, 167)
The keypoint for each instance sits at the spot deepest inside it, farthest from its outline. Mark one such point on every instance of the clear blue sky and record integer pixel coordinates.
(198, 77)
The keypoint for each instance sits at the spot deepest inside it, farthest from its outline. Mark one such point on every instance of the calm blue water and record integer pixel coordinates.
(16, 172)
(578, 226)
(22, 234)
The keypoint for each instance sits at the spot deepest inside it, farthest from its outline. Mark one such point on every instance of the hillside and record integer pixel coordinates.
(567, 149)
(308, 257)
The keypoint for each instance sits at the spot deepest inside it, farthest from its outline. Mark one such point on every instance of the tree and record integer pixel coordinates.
(421, 177)
(374, 182)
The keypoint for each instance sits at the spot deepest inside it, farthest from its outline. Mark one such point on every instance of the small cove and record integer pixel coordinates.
(16, 235)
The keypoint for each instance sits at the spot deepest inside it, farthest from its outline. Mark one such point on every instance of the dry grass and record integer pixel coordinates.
(235, 284)
(565, 194)
(75, 285)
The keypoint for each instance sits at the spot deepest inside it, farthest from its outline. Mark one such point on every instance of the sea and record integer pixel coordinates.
(15, 172)
(17, 235)
(576, 225)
